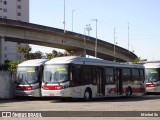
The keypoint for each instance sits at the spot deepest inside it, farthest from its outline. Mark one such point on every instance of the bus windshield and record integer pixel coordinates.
(27, 75)
(152, 75)
(55, 73)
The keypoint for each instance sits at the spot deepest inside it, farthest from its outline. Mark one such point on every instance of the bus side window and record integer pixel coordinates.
(126, 74)
(94, 75)
(135, 75)
(110, 76)
(86, 74)
(142, 74)
(76, 74)
(40, 76)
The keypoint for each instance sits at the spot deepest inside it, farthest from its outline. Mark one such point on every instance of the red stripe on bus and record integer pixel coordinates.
(134, 90)
(150, 85)
(138, 90)
(57, 87)
(24, 88)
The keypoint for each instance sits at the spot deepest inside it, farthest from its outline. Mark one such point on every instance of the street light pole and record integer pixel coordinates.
(88, 28)
(64, 22)
(96, 20)
(84, 42)
(114, 44)
(128, 36)
(72, 19)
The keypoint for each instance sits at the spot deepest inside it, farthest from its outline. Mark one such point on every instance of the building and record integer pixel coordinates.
(15, 10)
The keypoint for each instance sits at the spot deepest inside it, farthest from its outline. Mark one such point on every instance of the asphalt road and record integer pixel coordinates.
(96, 109)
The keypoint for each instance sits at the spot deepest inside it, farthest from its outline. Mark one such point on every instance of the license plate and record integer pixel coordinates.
(51, 94)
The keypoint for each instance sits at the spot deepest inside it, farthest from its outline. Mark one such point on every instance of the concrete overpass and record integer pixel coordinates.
(21, 32)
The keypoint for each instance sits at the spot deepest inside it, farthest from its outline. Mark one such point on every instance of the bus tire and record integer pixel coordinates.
(87, 95)
(129, 92)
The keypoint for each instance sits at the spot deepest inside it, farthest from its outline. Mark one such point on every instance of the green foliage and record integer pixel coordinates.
(55, 54)
(25, 52)
(36, 55)
(24, 49)
(136, 60)
(10, 65)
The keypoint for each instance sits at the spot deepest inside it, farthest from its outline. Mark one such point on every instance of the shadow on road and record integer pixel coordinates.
(70, 100)
(112, 99)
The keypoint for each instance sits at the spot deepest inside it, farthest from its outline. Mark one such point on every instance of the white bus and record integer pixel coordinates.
(29, 77)
(87, 78)
(152, 70)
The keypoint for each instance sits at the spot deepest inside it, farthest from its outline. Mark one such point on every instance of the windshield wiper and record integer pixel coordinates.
(150, 81)
(64, 81)
(19, 81)
(45, 83)
(26, 81)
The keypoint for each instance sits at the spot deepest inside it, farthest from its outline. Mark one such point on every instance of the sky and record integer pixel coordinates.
(142, 17)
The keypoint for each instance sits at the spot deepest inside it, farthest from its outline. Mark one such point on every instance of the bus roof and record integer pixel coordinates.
(34, 62)
(152, 65)
(89, 61)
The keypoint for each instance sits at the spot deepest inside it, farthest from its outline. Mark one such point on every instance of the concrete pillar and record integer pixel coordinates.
(2, 50)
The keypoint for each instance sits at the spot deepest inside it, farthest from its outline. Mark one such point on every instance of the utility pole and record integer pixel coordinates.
(72, 19)
(84, 42)
(114, 43)
(96, 20)
(64, 22)
(128, 37)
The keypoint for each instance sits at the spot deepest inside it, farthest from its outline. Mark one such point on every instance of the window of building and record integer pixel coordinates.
(19, 7)
(5, 17)
(5, 48)
(5, 55)
(5, 2)
(0, 8)
(18, 14)
(4, 10)
(19, 0)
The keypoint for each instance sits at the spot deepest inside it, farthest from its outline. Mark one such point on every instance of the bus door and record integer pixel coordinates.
(118, 79)
(100, 81)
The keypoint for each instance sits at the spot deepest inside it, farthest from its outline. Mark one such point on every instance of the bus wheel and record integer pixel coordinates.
(87, 95)
(128, 92)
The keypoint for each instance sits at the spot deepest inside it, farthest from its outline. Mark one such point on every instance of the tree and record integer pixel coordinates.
(24, 51)
(36, 55)
(55, 54)
(10, 65)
